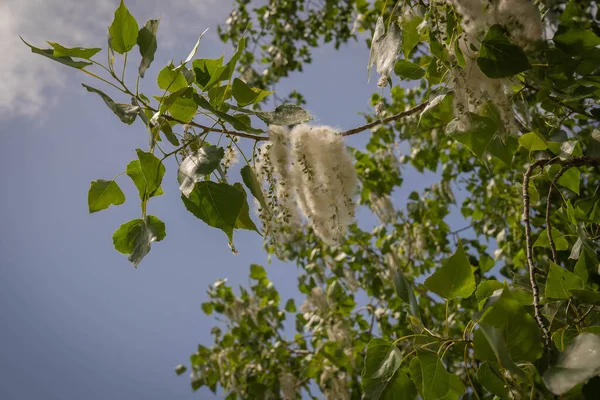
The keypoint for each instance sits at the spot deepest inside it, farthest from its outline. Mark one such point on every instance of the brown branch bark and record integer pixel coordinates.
(566, 164)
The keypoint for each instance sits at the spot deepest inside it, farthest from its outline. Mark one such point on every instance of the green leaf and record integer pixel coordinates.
(574, 39)
(577, 364)
(171, 79)
(559, 240)
(233, 121)
(521, 335)
(454, 278)
(475, 133)
(197, 165)
(125, 112)
(503, 148)
(485, 289)
(207, 308)
(533, 141)
(180, 369)
(587, 265)
(147, 44)
(586, 296)
(560, 282)
(290, 306)
(499, 57)
(490, 345)
(286, 114)
(61, 59)
(570, 179)
(382, 361)
(408, 70)
(181, 105)
(492, 382)
(146, 173)
(257, 272)
(244, 221)
(135, 237)
(103, 194)
(416, 376)
(406, 293)
(436, 381)
(123, 30)
(205, 69)
(77, 52)
(217, 204)
(254, 186)
(245, 95)
(410, 35)
(226, 72)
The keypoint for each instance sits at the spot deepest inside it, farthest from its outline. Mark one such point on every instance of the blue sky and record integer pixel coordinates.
(77, 320)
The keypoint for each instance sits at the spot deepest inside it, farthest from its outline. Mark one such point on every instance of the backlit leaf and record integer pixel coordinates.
(103, 194)
(135, 237)
(454, 278)
(123, 30)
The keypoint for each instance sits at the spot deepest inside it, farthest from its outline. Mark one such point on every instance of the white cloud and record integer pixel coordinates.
(30, 83)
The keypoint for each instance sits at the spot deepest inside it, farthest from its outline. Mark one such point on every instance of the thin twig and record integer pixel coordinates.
(386, 120)
(548, 208)
(572, 162)
(529, 249)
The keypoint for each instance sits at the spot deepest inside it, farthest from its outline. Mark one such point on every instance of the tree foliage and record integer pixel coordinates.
(498, 98)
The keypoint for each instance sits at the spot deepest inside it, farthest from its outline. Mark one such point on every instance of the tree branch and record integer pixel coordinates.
(386, 120)
(566, 164)
(529, 250)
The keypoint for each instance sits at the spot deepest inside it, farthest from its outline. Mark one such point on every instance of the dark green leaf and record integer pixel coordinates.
(577, 364)
(123, 30)
(382, 361)
(146, 41)
(290, 306)
(520, 333)
(499, 57)
(233, 121)
(217, 204)
(244, 221)
(473, 131)
(574, 39)
(570, 179)
(103, 194)
(205, 69)
(146, 173)
(586, 296)
(408, 70)
(560, 282)
(77, 52)
(503, 148)
(406, 292)
(492, 382)
(436, 382)
(454, 278)
(126, 112)
(197, 165)
(180, 369)
(587, 265)
(136, 236)
(485, 289)
(286, 114)
(63, 60)
(490, 345)
(254, 186)
(245, 95)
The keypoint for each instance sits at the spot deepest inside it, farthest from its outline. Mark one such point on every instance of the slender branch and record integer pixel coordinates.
(529, 249)
(208, 128)
(386, 120)
(548, 207)
(572, 162)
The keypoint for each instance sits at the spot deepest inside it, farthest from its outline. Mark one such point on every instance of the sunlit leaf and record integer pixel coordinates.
(103, 194)
(454, 278)
(123, 30)
(135, 237)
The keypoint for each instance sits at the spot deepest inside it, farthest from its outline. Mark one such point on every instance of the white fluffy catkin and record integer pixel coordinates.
(324, 180)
